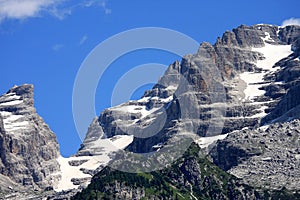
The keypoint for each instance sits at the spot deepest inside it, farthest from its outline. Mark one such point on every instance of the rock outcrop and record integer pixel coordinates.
(28, 148)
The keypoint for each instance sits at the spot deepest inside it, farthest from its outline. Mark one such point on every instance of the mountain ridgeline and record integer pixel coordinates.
(222, 123)
(253, 92)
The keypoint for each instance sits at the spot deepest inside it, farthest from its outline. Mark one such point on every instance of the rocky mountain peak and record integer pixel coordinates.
(252, 72)
(28, 148)
(25, 90)
(248, 85)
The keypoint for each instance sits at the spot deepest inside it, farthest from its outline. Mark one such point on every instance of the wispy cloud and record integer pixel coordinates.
(291, 21)
(22, 9)
(100, 3)
(83, 40)
(57, 47)
(105, 8)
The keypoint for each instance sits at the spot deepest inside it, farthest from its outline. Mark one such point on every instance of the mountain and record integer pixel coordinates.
(236, 88)
(28, 148)
(243, 80)
(237, 99)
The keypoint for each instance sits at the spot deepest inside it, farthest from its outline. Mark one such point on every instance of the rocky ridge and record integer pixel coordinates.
(257, 84)
(239, 57)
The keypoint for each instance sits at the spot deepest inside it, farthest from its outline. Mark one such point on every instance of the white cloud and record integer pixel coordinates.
(83, 39)
(291, 21)
(21, 9)
(57, 47)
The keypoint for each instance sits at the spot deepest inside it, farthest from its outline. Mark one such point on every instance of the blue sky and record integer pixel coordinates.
(44, 42)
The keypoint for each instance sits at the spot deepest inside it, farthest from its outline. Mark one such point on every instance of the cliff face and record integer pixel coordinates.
(247, 78)
(28, 148)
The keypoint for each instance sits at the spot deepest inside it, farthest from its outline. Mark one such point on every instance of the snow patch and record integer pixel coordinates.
(107, 146)
(204, 142)
(171, 87)
(11, 96)
(121, 141)
(268, 37)
(67, 173)
(252, 80)
(135, 109)
(272, 54)
(12, 122)
(143, 100)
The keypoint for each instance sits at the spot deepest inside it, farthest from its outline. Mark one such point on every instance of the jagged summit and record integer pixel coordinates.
(247, 58)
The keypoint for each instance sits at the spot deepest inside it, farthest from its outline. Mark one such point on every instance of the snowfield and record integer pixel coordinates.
(272, 54)
(69, 172)
(255, 80)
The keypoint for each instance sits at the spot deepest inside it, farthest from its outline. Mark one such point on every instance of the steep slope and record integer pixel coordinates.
(223, 87)
(249, 77)
(28, 148)
(263, 156)
(191, 177)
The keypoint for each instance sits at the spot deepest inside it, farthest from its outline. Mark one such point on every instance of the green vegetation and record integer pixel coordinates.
(191, 175)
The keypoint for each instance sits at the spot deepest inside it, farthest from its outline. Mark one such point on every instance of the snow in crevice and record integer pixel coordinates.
(11, 103)
(262, 112)
(13, 122)
(142, 109)
(267, 37)
(10, 97)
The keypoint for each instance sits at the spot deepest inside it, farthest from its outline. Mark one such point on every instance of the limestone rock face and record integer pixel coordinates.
(237, 80)
(94, 133)
(248, 78)
(28, 148)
